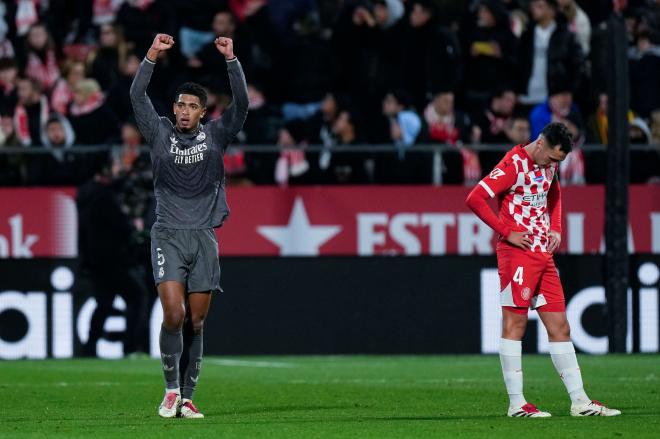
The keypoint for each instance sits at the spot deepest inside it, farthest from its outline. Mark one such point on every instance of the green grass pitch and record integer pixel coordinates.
(318, 397)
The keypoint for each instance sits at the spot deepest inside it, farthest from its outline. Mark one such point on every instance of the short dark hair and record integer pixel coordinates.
(402, 97)
(192, 88)
(556, 133)
(53, 119)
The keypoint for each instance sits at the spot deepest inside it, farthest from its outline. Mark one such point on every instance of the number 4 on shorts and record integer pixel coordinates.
(518, 275)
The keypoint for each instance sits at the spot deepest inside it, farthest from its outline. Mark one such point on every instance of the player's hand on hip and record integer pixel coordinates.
(162, 42)
(520, 239)
(554, 240)
(225, 46)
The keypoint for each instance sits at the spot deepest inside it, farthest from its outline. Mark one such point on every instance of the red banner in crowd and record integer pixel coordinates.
(312, 221)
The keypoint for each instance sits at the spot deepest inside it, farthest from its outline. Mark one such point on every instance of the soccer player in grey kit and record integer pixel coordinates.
(189, 184)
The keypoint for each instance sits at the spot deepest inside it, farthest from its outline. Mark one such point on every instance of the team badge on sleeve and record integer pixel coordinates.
(496, 173)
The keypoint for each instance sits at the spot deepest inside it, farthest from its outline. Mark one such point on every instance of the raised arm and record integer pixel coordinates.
(145, 114)
(231, 121)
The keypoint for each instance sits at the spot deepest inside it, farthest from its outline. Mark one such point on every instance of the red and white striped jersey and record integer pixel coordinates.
(523, 188)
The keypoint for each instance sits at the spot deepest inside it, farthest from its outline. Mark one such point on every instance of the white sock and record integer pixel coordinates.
(565, 361)
(177, 390)
(511, 360)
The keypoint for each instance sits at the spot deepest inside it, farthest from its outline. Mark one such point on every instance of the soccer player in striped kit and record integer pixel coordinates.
(527, 189)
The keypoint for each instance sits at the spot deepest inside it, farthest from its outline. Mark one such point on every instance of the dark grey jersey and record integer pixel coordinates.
(189, 175)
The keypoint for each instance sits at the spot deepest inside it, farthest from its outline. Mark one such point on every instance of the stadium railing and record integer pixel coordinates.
(435, 155)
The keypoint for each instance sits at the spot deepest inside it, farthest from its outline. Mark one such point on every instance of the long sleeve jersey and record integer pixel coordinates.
(529, 198)
(189, 175)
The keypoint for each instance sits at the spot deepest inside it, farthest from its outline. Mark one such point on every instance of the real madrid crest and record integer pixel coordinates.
(201, 136)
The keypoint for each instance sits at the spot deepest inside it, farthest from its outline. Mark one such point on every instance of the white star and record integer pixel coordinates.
(299, 237)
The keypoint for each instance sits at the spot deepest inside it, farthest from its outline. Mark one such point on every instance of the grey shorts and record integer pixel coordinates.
(186, 256)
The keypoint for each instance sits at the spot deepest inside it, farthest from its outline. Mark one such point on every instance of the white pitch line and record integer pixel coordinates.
(248, 363)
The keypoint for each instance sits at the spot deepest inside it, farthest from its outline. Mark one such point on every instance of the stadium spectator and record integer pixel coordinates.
(373, 67)
(287, 14)
(92, 120)
(445, 123)
(141, 19)
(431, 54)
(131, 140)
(206, 59)
(295, 52)
(261, 127)
(6, 46)
(578, 23)
(31, 112)
(7, 133)
(118, 96)
(321, 124)
(644, 62)
(108, 60)
(13, 165)
(491, 124)
(58, 167)
(301, 68)
(8, 76)
(57, 134)
(404, 123)
(489, 49)
(559, 107)
(347, 167)
(448, 125)
(292, 166)
(40, 58)
(550, 57)
(62, 95)
(518, 131)
(195, 17)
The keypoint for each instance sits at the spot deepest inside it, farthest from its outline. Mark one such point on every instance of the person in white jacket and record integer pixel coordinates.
(578, 23)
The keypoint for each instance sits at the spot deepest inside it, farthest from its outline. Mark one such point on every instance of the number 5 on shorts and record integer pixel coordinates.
(518, 275)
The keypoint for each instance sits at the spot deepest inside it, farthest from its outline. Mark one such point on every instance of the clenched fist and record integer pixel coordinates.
(225, 46)
(162, 42)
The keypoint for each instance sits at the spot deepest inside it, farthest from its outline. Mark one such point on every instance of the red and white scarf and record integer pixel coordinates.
(46, 73)
(22, 123)
(94, 101)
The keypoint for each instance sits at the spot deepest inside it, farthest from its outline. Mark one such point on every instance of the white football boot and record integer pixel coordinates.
(171, 402)
(593, 408)
(188, 410)
(527, 411)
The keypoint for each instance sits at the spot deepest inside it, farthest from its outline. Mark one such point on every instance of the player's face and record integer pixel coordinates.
(549, 155)
(188, 111)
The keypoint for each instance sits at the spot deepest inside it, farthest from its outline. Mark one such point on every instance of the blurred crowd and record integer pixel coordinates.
(322, 72)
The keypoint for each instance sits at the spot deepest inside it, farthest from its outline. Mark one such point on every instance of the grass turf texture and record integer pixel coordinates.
(352, 397)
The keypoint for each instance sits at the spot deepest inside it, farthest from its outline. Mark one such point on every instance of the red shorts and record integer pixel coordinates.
(528, 280)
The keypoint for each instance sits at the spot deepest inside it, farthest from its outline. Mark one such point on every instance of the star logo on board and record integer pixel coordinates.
(299, 237)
